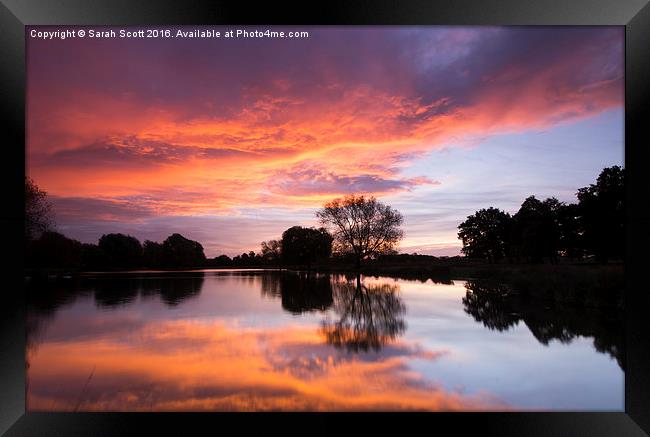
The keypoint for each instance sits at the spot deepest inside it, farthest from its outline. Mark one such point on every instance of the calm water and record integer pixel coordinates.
(256, 340)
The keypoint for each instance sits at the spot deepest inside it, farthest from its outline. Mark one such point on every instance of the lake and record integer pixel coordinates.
(254, 340)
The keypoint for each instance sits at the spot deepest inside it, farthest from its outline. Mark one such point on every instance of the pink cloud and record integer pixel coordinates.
(290, 125)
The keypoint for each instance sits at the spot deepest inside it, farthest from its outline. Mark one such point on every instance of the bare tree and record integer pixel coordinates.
(362, 226)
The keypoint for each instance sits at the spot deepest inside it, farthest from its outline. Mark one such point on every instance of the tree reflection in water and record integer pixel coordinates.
(172, 289)
(489, 304)
(497, 308)
(300, 291)
(45, 298)
(369, 315)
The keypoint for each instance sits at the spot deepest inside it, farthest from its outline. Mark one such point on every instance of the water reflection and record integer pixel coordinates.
(255, 341)
(44, 298)
(369, 316)
(488, 304)
(300, 291)
(186, 365)
(114, 290)
(498, 309)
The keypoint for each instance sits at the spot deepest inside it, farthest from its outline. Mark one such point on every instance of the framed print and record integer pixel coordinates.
(368, 215)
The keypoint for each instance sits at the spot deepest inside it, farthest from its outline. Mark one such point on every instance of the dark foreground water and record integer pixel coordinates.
(262, 340)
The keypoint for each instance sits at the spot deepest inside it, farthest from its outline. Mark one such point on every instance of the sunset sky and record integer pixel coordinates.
(231, 141)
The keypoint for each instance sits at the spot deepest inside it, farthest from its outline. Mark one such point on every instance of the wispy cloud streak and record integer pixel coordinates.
(198, 127)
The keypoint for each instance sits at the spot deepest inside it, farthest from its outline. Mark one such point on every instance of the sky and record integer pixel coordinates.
(231, 141)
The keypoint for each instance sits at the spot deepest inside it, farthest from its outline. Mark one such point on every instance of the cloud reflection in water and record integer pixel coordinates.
(189, 365)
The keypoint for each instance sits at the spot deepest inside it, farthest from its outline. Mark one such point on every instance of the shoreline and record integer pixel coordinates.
(461, 271)
(587, 285)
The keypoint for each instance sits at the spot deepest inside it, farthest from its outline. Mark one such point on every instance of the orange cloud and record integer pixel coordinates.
(358, 144)
(284, 126)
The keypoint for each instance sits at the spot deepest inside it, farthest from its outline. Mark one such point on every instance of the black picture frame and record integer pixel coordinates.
(633, 14)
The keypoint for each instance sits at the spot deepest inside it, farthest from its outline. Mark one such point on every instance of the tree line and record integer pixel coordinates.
(353, 228)
(299, 246)
(549, 229)
(113, 251)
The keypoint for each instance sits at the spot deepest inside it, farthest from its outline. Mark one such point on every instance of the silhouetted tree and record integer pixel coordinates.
(369, 316)
(485, 234)
(271, 251)
(221, 261)
(362, 226)
(122, 251)
(546, 229)
(602, 215)
(181, 252)
(242, 260)
(53, 249)
(568, 222)
(536, 231)
(153, 254)
(303, 246)
(38, 211)
(92, 257)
